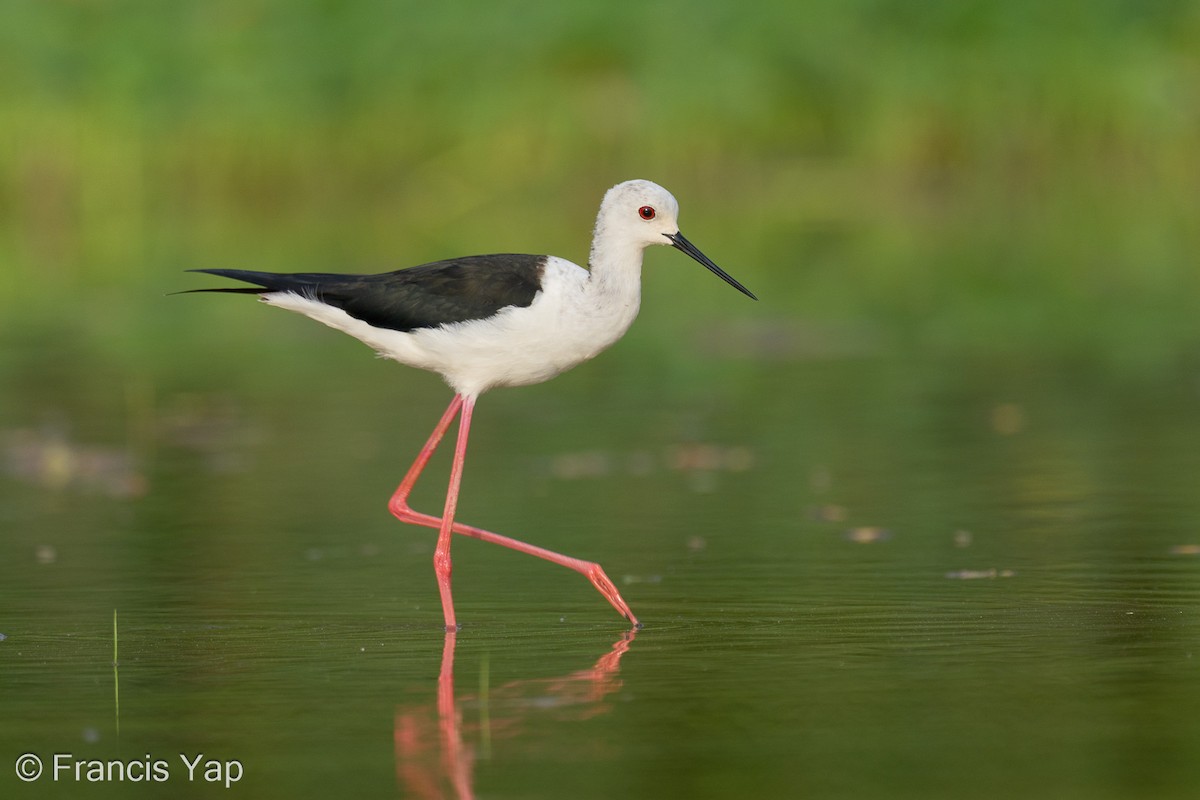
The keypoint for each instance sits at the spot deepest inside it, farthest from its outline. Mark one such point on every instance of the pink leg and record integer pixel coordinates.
(399, 502)
(441, 554)
(400, 508)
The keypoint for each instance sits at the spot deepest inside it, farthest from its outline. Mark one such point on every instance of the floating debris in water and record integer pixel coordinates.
(1185, 550)
(820, 479)
(48, 459)
(710, 458)
(691, 458)
(828, 513)
(628, 579)
(1008, 419)
(962, 538)
(575, 466)
(979, 574)
(867, 535)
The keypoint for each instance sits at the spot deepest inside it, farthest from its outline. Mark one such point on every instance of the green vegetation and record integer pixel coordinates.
(991, 176)
(911, 574)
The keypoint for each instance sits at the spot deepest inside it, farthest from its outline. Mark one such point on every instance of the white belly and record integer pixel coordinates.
(567, 323)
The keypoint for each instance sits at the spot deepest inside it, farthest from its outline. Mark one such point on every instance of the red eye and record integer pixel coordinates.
(647, 212)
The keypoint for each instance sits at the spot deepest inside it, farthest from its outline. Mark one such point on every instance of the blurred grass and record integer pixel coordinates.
(992, 177)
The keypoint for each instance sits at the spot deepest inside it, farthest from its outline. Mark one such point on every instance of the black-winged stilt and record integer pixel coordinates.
(488, 321)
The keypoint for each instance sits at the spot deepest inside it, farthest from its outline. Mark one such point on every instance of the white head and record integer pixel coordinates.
(641, 213)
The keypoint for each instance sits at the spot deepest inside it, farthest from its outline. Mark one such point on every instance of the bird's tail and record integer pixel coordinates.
(264, 282)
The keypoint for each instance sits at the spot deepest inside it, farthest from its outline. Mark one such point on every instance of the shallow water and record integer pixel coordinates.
(859, 576)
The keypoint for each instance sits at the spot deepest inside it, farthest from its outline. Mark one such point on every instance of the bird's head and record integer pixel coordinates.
(642, 213)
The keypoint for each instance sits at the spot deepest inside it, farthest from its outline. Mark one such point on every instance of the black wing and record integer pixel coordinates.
(440, 293)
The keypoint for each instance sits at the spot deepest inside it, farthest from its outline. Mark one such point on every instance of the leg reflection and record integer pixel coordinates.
(427, 763)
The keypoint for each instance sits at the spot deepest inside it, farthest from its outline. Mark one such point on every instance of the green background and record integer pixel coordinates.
(922, 522)
(996, 175)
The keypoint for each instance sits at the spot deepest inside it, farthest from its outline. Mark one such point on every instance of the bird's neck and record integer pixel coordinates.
(616, 267)
(616, 274)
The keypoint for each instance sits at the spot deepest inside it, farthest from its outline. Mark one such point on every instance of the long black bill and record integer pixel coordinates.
(680, 243)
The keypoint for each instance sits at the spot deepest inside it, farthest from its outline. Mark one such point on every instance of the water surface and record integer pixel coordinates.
(860, 576)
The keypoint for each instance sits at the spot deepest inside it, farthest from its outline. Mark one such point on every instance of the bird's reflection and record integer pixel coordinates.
(436, 751)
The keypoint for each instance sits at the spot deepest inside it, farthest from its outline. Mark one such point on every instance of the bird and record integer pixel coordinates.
(487, 321)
